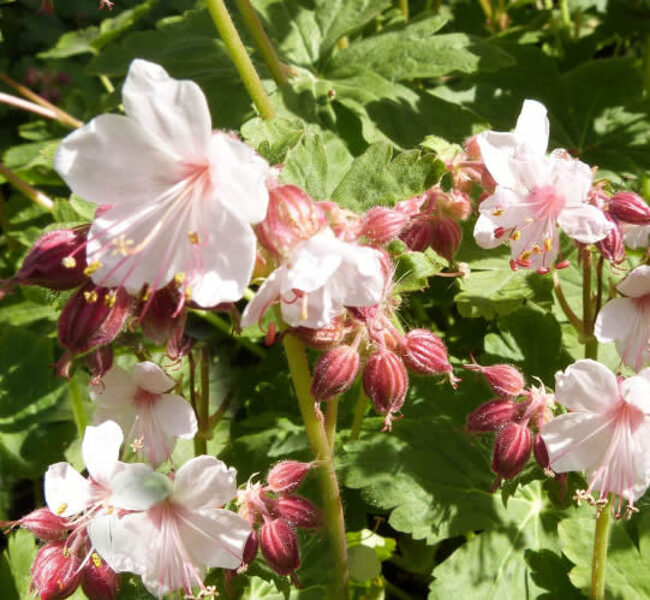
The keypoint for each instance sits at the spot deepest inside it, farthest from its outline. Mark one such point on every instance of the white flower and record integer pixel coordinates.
(111, 483)
(535, 194)
(607, 434)
(141, 404)
(626, 321)
(322, 275)
(635, 236)
(171, 544)
(181, 196)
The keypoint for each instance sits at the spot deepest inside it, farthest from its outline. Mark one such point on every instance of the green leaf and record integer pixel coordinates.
(413, 269)
(15, 578)
(273, 138)
(306, 166)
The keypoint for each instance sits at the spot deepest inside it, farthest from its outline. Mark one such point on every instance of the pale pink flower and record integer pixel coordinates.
(322, 275)
(111, 483)
(140, 402)
(607, 434)
(635, 236)
(171, 544)
(181, 198)
(626, 321)
(535, 194)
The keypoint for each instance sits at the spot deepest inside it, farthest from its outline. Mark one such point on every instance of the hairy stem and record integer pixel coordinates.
(40, 198)
(240, 58)
(599, 559)
(359, 414)
(76, 401)
(331, 412)
(17, 102)
(225, 327)
(561, 298)
(203, 406)
(262, 41)
(332, 506)
(591, 343)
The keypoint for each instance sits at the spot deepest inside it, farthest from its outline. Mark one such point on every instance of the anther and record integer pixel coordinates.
(69, 262)
(548, 244)
(91, 268)
(109, 298)
(91, 296)
(497, 212)
(193, 236)
(515, 236)
(61, 509)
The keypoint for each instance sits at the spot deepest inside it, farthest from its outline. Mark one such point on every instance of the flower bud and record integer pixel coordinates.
(335, 372)
(250, 548)
(99, 361)
(410, 206)
(292, 216)
(287, 475)
(385, 381)
(417, 236)
(42, 523)
(279, 546)
(425, 353)
(56, 260)
(491, 416)
(541, 453)
(323, 338)
(55, 571)
(345, 224)
(447, 236)
(454, 205)
(298, 512)
(98, 580)
(511, 450)
(382, 224)
(160, 317)
(612, 246)
(629, 208)
(505, 380)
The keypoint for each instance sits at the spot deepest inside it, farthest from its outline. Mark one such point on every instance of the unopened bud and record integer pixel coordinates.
(335, 372)
(161, 317)
(511, 450)
(42, 523)
(491, 416)
(385, 381)
(98, 580)
(447, 236)
(322, 338)
(298, 511)
(279, 546)
(612, 246)
(56, 260)
(541, 453)
(99, 361)
(505, 380)
(250, 548)
(287, 475)
(418, 236)
(629, 207)
(425, 353)
(382, 224)
(55, 571)
(292, 216)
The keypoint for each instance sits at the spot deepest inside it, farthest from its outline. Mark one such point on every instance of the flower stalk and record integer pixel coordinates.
(588, 316)
(359, 414)
(599, 560)
(40, 198)
(76, 401)
(203, 405)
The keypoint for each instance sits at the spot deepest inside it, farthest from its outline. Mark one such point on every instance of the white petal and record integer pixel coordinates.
(239, 176)
(572, 178)
(113, 397)
(635, 236)
(265, 296)
(174, 113)
(66, 491)
(176, 416)
(637, 283)
(484, 233)
(636, 392)
(100, 449)
(150, 377)
(138, 487)
(532, 127)
(584, 223)
(587, 386)
(124, 543)
(576, 441)
(314, 262)
(112, 160)
(359, 281)
(497, 150)
(204, 482)
(322, 307)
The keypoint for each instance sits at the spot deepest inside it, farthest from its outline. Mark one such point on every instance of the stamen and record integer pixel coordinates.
(110, 298)
(515, 235)
(61, 509)
(97, 561)
(497, 212)
(193, 236)
(91, 296)
(69, 262)
(91, 268)
(122, 246)
(548, 244)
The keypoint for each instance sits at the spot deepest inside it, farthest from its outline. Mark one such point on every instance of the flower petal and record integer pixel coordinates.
(532, 128)
(584, 223)
(497, 150)
(637, 283)
(122, 542)
(586, 385)
(322, 307)
(484, 233)
(264, 297)
(176, 416)
(113, 397)
(150, 377)
(636, 392)
(100, 449)
(204, 482)
(66, 491)
(138, 487)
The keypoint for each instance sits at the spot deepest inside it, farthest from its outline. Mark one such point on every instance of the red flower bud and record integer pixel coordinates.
(541, 452)
(292, 216)
(287, 475)
(417, 236)
(279, 546)
(250, 548)
(99, 361)
(324, 338)
(447, 236)
(98, 580)
(335, 372)
(612, 246)
(385, 381)
(425, 353)
(161, 318)
(55, 571)
(505, 380)
(491, 416)
(511, 450)
(43, 523)
(629, 208)
(298, 511)
(56, 261)
(382, 224)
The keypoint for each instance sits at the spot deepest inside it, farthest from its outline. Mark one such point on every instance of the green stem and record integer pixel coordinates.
(359, 414)
(599, 559)
(77, 403)
(565, 14)
(225, 327)
(591, 343)
(240, 58)
(262, 41)
(331, 412)
(40, 198)
(332, 506)
(203, 406)
(404, 7)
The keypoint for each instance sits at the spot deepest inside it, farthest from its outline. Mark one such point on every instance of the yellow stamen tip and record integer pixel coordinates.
(61, 509)
(193, 236)
(497, 212)
(69, 262)
(93, 267)
(515, 236)
(91, 297)
(97, 561)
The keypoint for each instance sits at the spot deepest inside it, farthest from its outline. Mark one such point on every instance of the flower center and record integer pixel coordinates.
(546, 202)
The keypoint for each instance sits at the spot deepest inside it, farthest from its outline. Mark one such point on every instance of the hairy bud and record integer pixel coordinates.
(629, 207)
(505, 380)
(385, 381)
(250, 548)
(491, 416)
(55, 571)
(98, 580)
(382, 224)
(511, 450)
(99, 361)
(323, 338)
(425, 353)
(298, 512)
(279, 546)
(418, 236)
(612, 246)
(447, 236)
(287, 475)
(335, 372)
(55, 260)
(44, 524)
(541, 452)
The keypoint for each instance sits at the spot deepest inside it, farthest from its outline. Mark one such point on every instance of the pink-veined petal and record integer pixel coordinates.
(100, 449)
(586, 385)
(150, 377)
(113, 398)
(138, 487)
(637, 283)
(636, 392)
(532, 128)
(497, 150)
(584, 223)
(66, 491)
(322, 307)
(176, 416)
(484, 233)
(635, 236)
(264, 297)
(204, 482)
